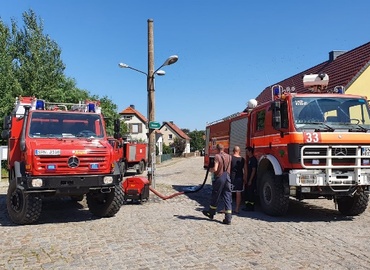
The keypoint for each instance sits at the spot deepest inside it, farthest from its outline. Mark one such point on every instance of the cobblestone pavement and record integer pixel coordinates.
(173, 234)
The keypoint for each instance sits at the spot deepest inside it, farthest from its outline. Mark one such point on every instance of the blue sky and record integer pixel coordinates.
(229, 51)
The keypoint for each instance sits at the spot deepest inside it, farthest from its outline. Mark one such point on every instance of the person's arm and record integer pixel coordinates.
(216, 166)
(245, 168)
(253, 173)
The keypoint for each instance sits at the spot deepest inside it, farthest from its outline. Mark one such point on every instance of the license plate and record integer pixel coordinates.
(47, 152)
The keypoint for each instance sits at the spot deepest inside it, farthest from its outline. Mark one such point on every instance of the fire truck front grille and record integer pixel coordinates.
(76, 164)
(343, 156)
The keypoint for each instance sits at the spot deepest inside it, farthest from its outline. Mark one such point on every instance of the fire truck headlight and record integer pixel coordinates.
(37, 182)
(308, 179)
(108, 180)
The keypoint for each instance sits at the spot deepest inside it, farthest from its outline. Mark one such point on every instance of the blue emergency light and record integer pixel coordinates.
(91, 107)
(339, 89)
(40, 104)
(276, 91)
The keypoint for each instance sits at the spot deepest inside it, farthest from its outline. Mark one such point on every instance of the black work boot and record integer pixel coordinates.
(227, 219)
(208, 214)
(249, 207)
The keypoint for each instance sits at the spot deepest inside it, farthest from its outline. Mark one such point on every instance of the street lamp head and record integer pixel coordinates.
(160, 72)
(171, 60)
(123, 65)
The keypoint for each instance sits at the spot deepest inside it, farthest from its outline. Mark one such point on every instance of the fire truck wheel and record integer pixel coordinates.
(122, 168)
(22, 208)
(272, 198)
(353, 206)
(105, 204)
(141, 168)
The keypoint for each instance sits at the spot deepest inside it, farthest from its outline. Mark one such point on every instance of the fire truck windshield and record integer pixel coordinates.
(44, 124)
(329, 114)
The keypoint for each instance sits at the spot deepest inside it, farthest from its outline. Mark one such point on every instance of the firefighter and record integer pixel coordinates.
(251, 180)
(221, 185)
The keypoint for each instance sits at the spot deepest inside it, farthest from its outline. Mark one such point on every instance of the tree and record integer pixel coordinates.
(9, 86)
(179, 145)
(31, 65)
(37, 63)
(197, 140)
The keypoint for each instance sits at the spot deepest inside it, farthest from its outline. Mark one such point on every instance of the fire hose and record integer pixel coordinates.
(188, 189)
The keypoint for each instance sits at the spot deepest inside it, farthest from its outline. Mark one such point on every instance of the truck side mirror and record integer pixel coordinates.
(7, 122)
(117, 125)
(276, 115)
(117, 129)
(5, 134)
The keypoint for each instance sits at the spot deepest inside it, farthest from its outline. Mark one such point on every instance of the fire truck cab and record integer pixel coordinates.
(59, 149)
(308, 145)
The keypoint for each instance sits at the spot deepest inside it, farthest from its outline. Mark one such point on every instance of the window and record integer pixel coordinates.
(170, 137)
(135, 128)
(127, 117)
(260, 120)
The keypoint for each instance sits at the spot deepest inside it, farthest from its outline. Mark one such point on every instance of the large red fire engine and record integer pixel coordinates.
(308, 146)
(59, 149)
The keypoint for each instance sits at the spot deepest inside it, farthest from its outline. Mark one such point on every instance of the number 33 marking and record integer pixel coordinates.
(311, 137)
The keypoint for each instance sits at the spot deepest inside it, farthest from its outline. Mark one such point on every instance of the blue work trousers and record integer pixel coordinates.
(221, 189)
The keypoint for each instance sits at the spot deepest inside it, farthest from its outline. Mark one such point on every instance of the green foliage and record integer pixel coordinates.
(179, 145)
(197, 140)
(167, 149)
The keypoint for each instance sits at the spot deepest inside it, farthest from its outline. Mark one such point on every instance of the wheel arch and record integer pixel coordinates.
(269, 162)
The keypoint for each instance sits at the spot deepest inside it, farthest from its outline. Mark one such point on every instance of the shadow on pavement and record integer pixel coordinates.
(54, 210)
(298, 211)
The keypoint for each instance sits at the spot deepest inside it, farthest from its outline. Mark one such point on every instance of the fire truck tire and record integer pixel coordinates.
(22, 208)
(105, 204)
(141, 168)
(353, 206)
(272, 198)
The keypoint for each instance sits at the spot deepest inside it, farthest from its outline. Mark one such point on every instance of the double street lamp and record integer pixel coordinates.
(150, 89)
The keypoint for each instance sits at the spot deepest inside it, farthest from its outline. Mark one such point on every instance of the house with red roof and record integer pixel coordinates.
(170, 131)
(348, 69)
(137, 127)
(136, 123)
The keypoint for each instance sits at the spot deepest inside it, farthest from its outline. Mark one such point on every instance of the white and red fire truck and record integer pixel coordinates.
(59, 149)
(308, 146)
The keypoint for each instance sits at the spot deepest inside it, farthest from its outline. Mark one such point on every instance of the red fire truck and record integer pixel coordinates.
(308, 146)
(129, 155)
(59, 149)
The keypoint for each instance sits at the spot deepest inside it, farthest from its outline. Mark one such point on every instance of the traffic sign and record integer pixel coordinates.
(154, 125)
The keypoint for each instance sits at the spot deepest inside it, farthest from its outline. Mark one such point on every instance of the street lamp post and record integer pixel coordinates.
(150, 89)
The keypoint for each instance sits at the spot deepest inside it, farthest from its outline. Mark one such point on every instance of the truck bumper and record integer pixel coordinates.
(69, 184)
(335, 182)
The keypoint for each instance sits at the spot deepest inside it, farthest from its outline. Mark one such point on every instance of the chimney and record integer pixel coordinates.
(171, 122)
(334, 54)
(132, 106)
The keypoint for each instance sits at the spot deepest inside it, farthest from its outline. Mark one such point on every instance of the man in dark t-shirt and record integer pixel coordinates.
(251, 180)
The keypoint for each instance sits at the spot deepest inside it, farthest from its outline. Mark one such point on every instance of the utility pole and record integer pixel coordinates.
(151, 100)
